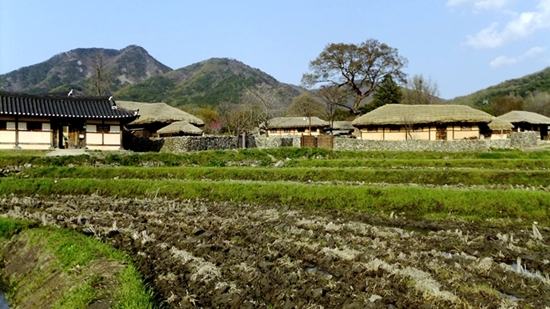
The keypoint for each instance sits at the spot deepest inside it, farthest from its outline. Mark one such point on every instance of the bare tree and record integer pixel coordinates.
(421, 90)
(267, 99)
(538, 102)
(333, 97)
(101, 80)
(357, 69)
(239, 118)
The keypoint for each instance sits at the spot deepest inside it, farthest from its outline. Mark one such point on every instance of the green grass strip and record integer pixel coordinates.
(416, 202)
(431, 176)
(522, 164)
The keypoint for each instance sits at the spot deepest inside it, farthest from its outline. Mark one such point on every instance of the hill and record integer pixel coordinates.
(75, 69)
(206, 83)
(523, 86)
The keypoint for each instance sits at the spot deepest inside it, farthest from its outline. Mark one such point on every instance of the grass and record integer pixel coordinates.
(468, 177)
(414, 201)
(71, 250)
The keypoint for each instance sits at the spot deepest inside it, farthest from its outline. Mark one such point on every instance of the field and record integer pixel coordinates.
(299, 228)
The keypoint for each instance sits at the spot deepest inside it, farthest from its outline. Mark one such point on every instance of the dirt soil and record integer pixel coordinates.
(228, 255)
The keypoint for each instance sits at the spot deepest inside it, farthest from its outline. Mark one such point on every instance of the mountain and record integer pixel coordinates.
(523, 86)
(76, 69)
(209, 82)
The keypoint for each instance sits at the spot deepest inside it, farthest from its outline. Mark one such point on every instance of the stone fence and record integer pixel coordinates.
(519, 140)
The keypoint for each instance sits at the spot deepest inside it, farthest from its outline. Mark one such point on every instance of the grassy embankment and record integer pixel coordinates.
(63, 269)
(336, 176)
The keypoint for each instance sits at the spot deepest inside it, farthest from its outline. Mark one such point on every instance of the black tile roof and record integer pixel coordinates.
(19, 104)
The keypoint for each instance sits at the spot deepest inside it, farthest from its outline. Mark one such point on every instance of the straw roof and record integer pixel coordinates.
(158, 112)
(500, 124)
(400, 114)
(523, 116)
(295, 122)
(180, 128)
(342, 125)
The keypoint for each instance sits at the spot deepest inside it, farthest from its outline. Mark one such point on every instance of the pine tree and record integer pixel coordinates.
(387, 93)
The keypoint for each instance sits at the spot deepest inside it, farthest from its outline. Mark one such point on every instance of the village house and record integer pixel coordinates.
(161, 120)
(423, 122)
(296, 126)
(528, 121)
(61, 121)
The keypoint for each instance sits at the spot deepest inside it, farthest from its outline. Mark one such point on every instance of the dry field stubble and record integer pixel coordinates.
(228, 255)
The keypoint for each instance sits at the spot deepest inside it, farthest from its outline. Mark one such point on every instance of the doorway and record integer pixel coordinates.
(441, 133)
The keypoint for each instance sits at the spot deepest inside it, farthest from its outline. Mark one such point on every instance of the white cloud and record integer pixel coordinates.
(480, 4)
(506, 61)
(521, 26)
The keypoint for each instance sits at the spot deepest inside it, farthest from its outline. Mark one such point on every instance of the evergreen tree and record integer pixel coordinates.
(387, 93)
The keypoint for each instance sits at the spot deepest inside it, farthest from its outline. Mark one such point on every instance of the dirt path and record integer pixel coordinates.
(226, 255)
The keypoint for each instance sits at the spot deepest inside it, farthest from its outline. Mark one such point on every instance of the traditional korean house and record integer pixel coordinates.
(179, 128)
(155, 116)
(296, 126)
(61, 121)
(528, 121)
(499, 128)
(423, 122)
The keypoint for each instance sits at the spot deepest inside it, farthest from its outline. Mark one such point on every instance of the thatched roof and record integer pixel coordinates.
(342, 125)
(295, 122)
(523, 116)
(400, 114)
(180, 128)
(158, 112)
(499, 124)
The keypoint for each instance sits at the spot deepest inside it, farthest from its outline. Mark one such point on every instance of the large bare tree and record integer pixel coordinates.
(101, 80)
(267, 100)
(421, 90)
(358, 69)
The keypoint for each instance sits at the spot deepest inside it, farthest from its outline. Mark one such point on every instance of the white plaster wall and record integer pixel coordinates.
(93, 139)
(112, 139)
(34, 137)
(7, 137)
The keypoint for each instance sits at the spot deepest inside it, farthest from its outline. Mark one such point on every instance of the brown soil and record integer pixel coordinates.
(228, 255)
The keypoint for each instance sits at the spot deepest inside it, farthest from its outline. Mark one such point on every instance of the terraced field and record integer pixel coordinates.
(308, 230)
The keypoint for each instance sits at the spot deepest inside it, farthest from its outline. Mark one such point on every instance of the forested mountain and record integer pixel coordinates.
(522, 87)
(77, 69)
(207, 83)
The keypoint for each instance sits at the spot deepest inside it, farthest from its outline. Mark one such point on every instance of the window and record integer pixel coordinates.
(3, 125)
(395, 128)
(34, 126)
(466, 128)
(102, 128)
(286, 130)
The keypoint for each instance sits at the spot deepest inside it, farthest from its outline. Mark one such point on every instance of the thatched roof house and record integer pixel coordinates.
(154, 116)
(179, 128)
(528, 121)
(342, 128)
(295, 125)
(428, 122)
(500, 124)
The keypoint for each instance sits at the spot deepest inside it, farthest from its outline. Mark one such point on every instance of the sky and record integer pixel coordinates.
(461, 45)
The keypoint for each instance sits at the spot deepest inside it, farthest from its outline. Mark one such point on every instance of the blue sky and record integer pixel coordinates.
(462, 45)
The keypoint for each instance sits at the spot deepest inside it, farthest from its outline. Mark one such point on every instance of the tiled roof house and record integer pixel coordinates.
(61, 121)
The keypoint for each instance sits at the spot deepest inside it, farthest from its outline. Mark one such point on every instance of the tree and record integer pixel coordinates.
(506, 103)
(420, 90)
(267, 99)
(239, 118)
(333, 97)
(538, 102)
(358, 69)
(101, 80)
(306, 105)
(387, 93)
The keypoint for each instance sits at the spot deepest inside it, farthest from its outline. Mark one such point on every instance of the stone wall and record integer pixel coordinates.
(518, 140)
